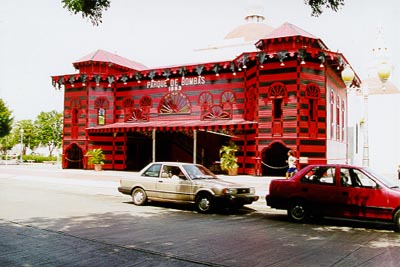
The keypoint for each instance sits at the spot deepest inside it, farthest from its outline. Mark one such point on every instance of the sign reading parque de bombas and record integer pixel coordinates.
(173, 83)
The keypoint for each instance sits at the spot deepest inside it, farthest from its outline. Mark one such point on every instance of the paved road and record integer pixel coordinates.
(51, 217)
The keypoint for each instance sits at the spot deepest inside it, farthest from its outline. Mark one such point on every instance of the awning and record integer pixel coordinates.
(174, 125)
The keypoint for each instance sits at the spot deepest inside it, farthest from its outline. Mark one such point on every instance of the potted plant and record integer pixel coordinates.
(228, 160)
(96, 158)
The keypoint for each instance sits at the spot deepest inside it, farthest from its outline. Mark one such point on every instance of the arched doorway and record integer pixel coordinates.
(73, 158)
(274, 160)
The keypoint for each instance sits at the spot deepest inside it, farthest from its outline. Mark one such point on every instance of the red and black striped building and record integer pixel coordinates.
(288, 95)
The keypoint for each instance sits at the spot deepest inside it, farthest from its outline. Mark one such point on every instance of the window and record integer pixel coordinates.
(343, 120)
(101, 104)
(338, 125)
(277, 108)
(251, 104)
(101, 116)
(362, 180)
(171, 172)
(153, 171)
(227, 100)
(355, 178)
(332, 115)
(75, 106)
(345, 179)
(320, 175)
(174, 103)
(312, 114)
(128, 104)
(313, 94)
(198, 172)
(277, 92)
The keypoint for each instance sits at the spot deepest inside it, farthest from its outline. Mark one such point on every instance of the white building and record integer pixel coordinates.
(242, 38)
(374, 117)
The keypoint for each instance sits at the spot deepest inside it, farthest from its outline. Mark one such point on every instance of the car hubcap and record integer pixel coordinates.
(204, 204)
(298, 212)
(138, 197)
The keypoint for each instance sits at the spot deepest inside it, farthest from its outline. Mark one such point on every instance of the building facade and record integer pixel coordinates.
(286, 95)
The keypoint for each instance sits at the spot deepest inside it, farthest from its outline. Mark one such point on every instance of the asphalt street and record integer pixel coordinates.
(55, 217)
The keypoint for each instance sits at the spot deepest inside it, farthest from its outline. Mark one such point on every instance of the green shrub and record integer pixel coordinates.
(38, 158)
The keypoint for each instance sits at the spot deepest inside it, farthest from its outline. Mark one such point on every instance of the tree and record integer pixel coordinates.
(6, 143)
(317, 5)
(93, 9)
(90, 9)
(6, 120)
(30, 136)
(49, 127)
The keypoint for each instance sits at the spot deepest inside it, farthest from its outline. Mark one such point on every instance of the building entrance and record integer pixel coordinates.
(173, 146)
(73, 157)
(274, 160)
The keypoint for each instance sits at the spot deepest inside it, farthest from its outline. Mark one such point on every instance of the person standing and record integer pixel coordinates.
(292, 164)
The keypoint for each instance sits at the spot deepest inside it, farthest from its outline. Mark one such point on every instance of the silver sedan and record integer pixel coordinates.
(185, 182)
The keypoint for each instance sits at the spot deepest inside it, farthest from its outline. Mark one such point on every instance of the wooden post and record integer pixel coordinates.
(154, 144)
(194, 146)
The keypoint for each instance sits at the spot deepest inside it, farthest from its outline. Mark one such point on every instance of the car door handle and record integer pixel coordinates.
(160, 181)
(304, 190)
(345, 194)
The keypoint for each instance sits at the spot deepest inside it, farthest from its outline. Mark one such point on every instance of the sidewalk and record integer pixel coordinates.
(108, 178)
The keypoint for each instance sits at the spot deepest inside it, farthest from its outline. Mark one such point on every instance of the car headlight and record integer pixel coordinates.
(230, 191)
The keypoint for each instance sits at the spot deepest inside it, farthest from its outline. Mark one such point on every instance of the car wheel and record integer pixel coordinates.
(396, 219)
(139, 196)
(204, 203)
(298, 211)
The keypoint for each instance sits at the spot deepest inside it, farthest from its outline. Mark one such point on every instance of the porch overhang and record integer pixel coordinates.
(175, 125)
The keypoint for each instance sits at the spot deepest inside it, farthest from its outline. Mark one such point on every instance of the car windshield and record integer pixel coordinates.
(385, 180)
(198, 172)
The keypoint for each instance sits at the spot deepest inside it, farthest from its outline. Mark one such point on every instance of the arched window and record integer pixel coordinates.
(332, 115)
(205, 102)
(101, 104)
(251, 105)
(128, 102)
(343, 120)
(338, 125)
(145, 101)
(227, 100)
(313, 94)
(145, 104)
(174, 103)
(75, 106)
(277, 92)
(128, 105)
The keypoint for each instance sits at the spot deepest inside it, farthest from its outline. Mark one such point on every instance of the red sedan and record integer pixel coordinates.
(337, 191)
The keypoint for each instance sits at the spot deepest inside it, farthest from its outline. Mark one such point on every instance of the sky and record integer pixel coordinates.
(39, 38)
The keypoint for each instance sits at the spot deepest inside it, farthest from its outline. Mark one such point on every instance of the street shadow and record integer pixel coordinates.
(190, 207)
(355, 224)
(169, 229)
(327, 222)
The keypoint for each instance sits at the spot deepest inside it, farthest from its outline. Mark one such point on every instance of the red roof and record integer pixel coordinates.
(166, 125)
(104, 56)
(290, 30)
